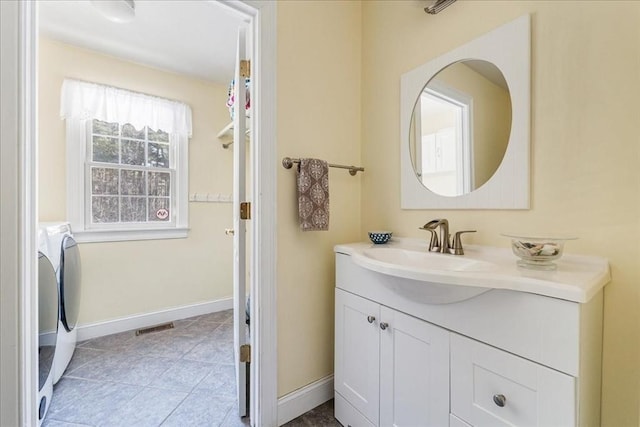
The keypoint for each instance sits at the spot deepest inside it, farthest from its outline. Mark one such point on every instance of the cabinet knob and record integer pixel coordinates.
(499, 400)
(371, 319)
(384, 325)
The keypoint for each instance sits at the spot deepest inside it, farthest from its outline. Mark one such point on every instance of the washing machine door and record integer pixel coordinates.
(69, 283)
(47, 317)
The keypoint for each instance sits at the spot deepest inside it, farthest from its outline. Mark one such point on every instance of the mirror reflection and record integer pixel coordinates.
(460, 127)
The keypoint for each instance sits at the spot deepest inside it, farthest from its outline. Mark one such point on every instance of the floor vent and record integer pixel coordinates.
(156, 328)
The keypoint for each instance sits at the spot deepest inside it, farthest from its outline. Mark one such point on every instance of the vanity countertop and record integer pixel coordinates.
(577, 278)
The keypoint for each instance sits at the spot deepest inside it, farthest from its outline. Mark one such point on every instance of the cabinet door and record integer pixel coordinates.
(357, 353)
(490, 387)
(414, 372)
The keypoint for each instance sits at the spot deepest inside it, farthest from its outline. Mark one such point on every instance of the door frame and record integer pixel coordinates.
(19, 208)
(465, 174)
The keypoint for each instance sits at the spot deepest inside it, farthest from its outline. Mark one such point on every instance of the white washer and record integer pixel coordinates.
(64, 249)
(48, 318)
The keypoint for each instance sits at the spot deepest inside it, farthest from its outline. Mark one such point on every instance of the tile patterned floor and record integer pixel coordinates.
(181, 377)
(322, 416)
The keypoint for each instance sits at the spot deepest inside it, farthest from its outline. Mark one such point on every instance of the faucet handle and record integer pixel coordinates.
(457, 242)
(434, 245)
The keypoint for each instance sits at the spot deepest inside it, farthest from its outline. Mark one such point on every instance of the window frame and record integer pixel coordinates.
(79, 132)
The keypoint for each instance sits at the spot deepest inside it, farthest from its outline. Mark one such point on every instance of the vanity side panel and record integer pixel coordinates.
(590, 377)
(545, 330)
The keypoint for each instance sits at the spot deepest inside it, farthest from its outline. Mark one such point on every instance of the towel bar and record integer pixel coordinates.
(288, 162)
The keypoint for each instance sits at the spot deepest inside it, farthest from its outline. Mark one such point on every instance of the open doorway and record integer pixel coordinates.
(19, 142)
(133, 282)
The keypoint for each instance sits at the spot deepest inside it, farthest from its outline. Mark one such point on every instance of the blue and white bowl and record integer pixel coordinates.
(380, 237)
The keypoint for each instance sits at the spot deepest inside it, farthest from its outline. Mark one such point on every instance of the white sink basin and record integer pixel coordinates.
(436, 278)
(424, 260)
(419, 264)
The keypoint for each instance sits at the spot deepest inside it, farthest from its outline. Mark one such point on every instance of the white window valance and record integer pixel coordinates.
(83, 101)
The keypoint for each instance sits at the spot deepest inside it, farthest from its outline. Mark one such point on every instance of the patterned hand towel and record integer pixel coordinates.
(313, 195)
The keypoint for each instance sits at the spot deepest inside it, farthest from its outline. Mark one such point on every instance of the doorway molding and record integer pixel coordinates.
(19, 346)
(19, 209)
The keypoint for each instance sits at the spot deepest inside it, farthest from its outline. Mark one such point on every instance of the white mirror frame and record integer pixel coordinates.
(509, 48)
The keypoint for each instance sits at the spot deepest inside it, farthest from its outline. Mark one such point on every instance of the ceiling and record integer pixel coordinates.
(192, 37)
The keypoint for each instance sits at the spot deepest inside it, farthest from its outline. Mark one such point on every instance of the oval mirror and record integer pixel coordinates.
(460, 127)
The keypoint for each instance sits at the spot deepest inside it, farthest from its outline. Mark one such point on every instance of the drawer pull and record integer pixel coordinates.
(499, 400)
(371, 319)
(384, 326)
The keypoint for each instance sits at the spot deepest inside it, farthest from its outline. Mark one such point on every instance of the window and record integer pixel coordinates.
(127, 173)
(130, 175)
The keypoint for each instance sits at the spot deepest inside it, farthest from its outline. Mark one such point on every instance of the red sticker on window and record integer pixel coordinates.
(162, 214)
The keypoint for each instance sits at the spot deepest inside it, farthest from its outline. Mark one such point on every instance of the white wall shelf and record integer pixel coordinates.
(226, 134)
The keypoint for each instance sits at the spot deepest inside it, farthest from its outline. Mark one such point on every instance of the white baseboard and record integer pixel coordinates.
(122, 324)
(303, 400)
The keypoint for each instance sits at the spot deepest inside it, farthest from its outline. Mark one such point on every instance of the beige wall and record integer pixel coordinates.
(585, 148)
(318, 116)
(126, 278)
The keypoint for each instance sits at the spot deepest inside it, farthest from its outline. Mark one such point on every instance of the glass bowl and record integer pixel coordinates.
(380, 237)
(537, 253)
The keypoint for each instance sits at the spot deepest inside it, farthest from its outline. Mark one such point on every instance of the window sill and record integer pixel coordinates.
(97, 236)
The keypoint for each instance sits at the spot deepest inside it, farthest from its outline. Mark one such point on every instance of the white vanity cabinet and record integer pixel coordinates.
(390, 367)
(501, 358)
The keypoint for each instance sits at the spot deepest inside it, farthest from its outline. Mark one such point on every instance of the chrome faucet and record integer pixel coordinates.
(443, 244)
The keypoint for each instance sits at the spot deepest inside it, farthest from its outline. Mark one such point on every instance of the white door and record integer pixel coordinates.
(239, 244)
(414, 371)
(357, 353)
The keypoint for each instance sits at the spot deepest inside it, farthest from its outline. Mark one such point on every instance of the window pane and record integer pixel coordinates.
(105, 128)
(104, 181)
(104, 209)
(158, 155)
(134, 209)
(132, 182)
(105, 149)
(132, 152)
(159, 209)
(159, 136)
(159, 184)
(128, 131)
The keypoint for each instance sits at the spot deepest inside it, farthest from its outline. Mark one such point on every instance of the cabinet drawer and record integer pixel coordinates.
(348, 415)
(490, 387)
